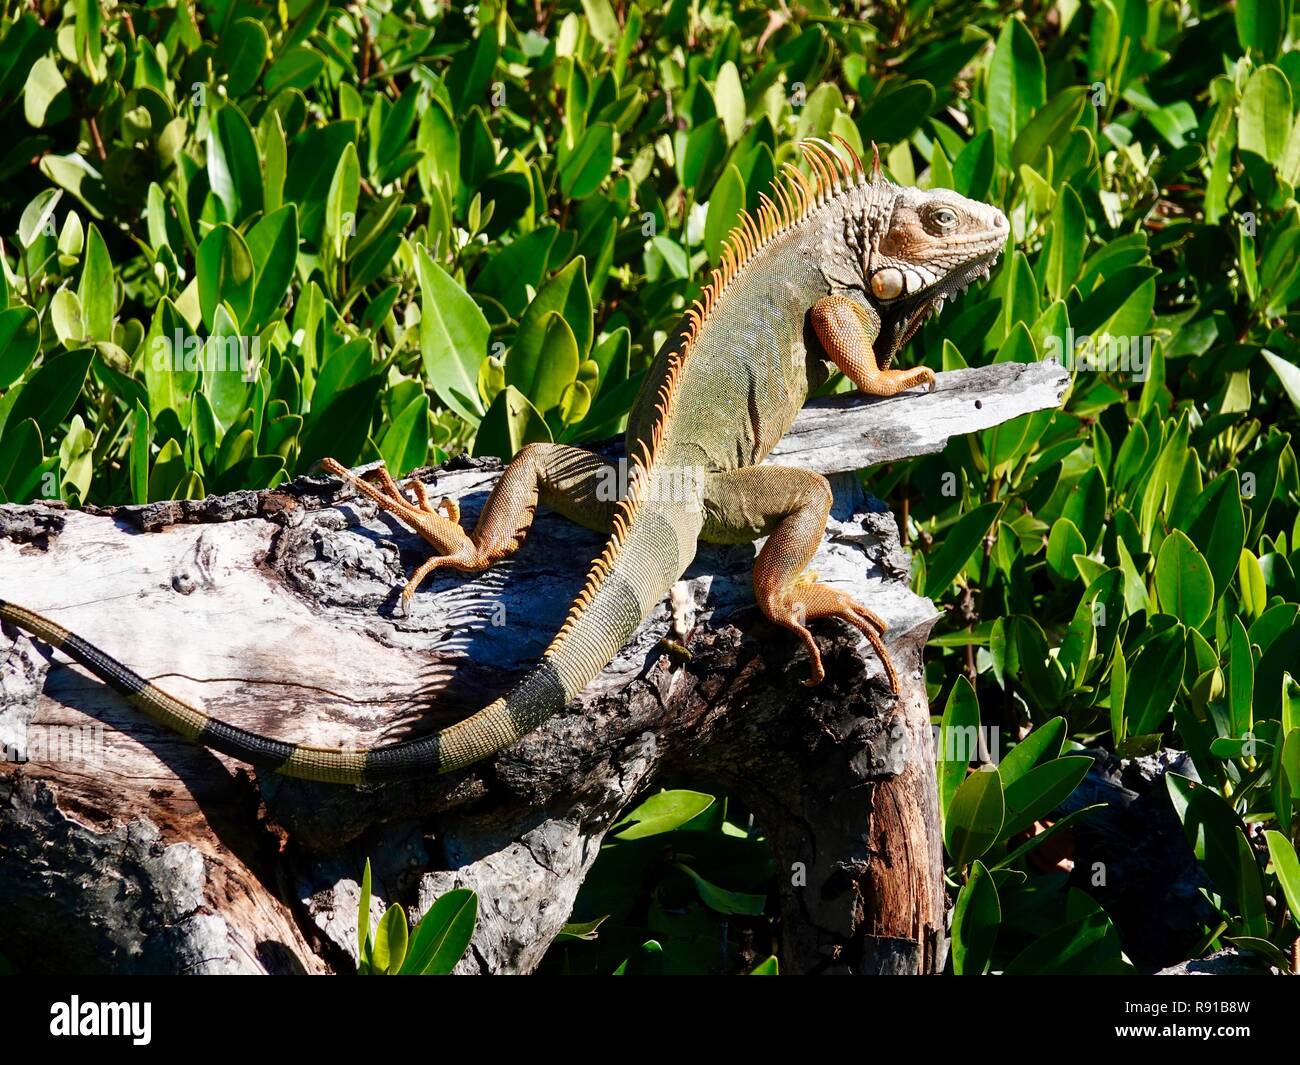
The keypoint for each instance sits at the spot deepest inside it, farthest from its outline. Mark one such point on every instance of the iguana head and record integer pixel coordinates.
(924, 246)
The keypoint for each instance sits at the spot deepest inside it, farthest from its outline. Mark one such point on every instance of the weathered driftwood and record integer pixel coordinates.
(137, 851)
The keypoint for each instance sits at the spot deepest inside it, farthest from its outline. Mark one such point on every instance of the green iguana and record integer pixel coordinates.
(836, 270)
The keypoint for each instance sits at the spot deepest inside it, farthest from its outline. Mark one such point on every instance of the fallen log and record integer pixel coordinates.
(127, 849)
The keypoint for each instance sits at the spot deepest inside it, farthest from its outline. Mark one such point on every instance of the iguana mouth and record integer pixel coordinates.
(902, 318)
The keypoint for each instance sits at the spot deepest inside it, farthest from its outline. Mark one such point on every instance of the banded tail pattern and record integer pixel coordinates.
(629, 589)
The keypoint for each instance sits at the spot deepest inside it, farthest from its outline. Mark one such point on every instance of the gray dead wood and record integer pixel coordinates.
(127, 849)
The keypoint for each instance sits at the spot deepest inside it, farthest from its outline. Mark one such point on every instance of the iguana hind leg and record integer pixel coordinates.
(566, 478)
(846, 333)
(790, 507)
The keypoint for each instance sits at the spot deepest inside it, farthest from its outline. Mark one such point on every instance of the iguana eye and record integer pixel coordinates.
(944, 217)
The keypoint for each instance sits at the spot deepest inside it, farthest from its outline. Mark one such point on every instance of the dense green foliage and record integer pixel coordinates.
(438, 942)
(239, 237)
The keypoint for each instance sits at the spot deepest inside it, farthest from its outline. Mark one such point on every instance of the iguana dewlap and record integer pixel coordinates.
(836, 271)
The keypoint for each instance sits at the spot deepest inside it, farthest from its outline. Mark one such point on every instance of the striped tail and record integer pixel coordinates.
(632, 579)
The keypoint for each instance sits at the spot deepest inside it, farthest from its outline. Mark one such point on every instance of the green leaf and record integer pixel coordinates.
(471, 72)
(67, 317)
(972, 170)
(227, 357)
(566, 294)
(395, 133)
(341, 201)
(974, 816)
(141, 438)
(1254, 595)
(1250, 889)
(1063, 544)
(700, 155)
(957, 742)
(233, 169)
(273, 247)
(975, 921)
(1241, 678)
(242, 52)
(296, 68)
(729, 94)
(313, 159)
(1261, 25)
(225, 275)
(364, 940)
(46, 101)
(443, 934)
(514, 268)
(1217, 523)
(1043, 744)
(1264, 122)
(585, 931)
(958, 544)
(1083, 944)
(1154, 679)
(725, 204)
(347, 365)
(37, 216)
(1211, 828)
(341, 428)
(1184, 585)
(510, 423)
(21, 458)
(602, 21)
(721, 900)
(1017, 85)
(49, 394)
(390, 942)
(95, 290)
(1049, 127)
(170, 361)
(1287, 867)
(1289, 374)
(1041, 790)
(896, 110)
(438, 139)
(1066, 242)
(544, 377)
(662, 813)
(88, 37)
(1286, 772)
(453, 339)
(20, 335)
(584, 168)
(405, 442)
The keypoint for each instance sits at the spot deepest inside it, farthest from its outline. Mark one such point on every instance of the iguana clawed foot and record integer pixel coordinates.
(807, 601)
(454, 547)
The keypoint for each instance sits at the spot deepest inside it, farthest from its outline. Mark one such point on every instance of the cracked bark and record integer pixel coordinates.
(124, 848)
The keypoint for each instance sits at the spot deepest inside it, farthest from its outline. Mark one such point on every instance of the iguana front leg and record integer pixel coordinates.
(847, 333)
(565, 478)
(790, 507)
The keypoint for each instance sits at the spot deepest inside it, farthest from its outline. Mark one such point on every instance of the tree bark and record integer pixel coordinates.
(124, 848)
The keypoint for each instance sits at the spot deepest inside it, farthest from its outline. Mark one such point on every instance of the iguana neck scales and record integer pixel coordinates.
(837, 270)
